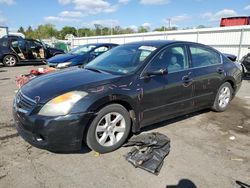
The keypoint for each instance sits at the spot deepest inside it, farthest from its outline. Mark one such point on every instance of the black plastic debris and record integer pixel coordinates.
(149, 151)
(242, 185)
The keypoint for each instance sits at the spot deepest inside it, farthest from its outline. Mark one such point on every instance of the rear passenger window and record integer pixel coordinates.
(204, 57)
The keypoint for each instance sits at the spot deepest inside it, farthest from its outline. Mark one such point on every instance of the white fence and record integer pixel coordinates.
(233, 40)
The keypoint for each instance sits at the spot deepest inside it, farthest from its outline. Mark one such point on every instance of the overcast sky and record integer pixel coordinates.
(126, 13)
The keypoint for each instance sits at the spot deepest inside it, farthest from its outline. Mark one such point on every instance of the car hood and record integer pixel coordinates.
(66, 57)
(48, 86)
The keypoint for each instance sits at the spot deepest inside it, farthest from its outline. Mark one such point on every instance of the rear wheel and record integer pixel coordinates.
(109, 130)
(223, 97)
(9, 61)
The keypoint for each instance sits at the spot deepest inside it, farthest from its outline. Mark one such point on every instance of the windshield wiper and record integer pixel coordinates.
(93, 69)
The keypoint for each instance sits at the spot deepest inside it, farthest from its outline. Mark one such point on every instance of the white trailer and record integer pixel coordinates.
(3, 31)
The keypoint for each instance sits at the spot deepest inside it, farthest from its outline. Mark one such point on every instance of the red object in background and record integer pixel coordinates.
(23, 79)
(40, 71)
(234, 21)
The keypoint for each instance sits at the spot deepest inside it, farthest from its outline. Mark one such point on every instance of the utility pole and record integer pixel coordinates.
(169, 23)
(77, 30)
(111, 29)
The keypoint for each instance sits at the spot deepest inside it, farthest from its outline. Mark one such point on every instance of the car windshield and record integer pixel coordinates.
(82, 49)
(122, 60)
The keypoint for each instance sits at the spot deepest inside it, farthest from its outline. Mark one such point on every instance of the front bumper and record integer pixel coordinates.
(59, 134)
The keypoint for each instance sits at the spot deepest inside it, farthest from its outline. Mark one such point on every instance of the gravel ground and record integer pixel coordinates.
(202, 153)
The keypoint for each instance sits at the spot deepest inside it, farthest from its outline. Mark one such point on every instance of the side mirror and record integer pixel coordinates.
(156, 72)
(92, 56)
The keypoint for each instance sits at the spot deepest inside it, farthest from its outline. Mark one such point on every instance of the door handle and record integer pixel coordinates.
(187, 80)
(220, 70)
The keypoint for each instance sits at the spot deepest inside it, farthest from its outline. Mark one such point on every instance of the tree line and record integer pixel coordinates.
(47, 31)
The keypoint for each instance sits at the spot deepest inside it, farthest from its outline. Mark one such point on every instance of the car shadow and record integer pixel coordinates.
(24, 64)
(30, 64)
(246, 77)
(183, 183)
(1, 65)
(3, 70)
(84, 149)
(173, 120)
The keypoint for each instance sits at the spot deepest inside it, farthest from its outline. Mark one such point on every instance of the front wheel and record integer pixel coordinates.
(9, 61)
(223, 97)
(109, 130)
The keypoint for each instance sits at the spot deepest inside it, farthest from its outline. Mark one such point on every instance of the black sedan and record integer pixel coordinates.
(14, 50)
(129, 87)
(80, 55)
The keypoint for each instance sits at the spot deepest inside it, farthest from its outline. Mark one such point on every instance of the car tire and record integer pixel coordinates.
(9, 60)
(223, 97)
(109, 129)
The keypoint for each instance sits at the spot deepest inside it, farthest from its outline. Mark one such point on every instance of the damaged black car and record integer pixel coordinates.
(245, 61)
(121, 91)
(16, 50)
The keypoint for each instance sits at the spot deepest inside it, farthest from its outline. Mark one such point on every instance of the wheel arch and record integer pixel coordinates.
(233, 84)
(124, 101)
(131, 110)
(105, 101)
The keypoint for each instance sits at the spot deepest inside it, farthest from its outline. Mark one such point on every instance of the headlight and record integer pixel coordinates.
(63, 65)
(62, 104)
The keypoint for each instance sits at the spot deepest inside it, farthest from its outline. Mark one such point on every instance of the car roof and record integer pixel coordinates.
(161, 43)
(155, 42)
(12, 37)
(101, 44)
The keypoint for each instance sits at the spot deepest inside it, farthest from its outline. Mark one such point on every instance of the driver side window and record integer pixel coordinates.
(173, 59)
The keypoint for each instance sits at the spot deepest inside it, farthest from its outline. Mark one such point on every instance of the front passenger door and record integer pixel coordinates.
(169, 95)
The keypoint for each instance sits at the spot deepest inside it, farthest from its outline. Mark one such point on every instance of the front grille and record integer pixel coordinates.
(23, 102)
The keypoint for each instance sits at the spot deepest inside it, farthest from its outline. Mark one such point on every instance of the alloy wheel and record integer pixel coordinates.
(110, 129)
(10, 61)
(224, 97)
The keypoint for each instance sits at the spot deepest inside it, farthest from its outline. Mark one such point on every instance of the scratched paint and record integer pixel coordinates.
(97, 89)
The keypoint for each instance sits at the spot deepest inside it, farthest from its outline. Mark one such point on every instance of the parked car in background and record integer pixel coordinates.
(129, 87)
(14, 50)
(62, 45)
(245, 61)
(80, 55)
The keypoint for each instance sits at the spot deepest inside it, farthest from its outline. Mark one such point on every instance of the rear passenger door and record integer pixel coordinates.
(18, 46)
(208, 74)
